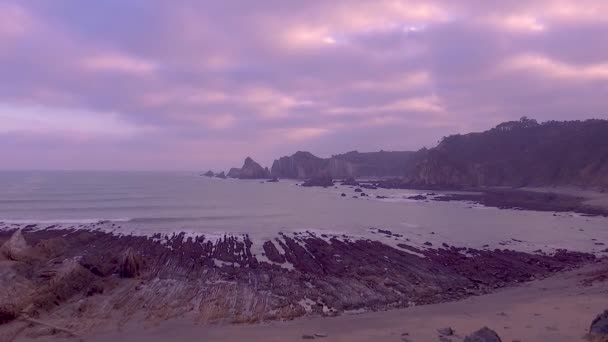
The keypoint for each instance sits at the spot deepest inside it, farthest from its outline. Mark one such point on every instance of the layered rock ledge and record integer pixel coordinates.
(63, 274)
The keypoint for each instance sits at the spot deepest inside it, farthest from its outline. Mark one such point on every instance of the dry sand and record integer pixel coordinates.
(554, 309)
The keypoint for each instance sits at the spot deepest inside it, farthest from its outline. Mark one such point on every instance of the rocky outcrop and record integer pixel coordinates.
(300, 165)
(222, 280)
(234, 172)
(221, 175)
(253, 170)
(323, 181)
(484, 334)
(598, 331)
(304, 165)
(208, 174)
(131, 264)
(16, 248)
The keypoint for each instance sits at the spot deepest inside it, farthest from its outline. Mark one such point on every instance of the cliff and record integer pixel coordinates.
(303, 165)
(520, 153)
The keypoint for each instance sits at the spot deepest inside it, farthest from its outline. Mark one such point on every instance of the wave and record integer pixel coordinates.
(60, 221)
(188, 219)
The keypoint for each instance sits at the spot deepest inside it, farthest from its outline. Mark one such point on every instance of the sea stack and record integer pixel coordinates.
(253, 170)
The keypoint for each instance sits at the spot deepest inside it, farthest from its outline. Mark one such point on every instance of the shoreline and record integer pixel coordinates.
(91, 275)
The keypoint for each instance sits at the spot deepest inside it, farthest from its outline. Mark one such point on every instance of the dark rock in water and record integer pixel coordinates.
(234, 172)
(385, 232)
(308, 337)
(363, 194)
(599, 327)
(446, 331)
(221, 175)
(319, 181)
(381, 197)
(358, 190)
(131, 264)
(483, 335)
(253, 170)
(428, 244)
(350, 181)
(343, 195)
(209, 173)
(417, 198)
(273, 180)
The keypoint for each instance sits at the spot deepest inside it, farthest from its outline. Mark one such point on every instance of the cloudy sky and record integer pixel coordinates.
(142, 84)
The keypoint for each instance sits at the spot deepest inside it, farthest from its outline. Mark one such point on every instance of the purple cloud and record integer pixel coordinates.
(201, 84)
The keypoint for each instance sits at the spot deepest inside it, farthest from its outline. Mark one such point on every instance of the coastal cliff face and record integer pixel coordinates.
(250, 170)
(520, 153)
(302, 165)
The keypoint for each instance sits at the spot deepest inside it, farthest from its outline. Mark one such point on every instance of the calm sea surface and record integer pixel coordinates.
(148, 202)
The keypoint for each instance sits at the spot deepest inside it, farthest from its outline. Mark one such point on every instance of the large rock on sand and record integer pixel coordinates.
(483, 335)
(598, 332)
(16, 248)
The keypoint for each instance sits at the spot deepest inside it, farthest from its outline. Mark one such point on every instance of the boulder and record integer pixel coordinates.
(484, 334)
(209, 173)
(63, 281)
(417, 198)
(221, 175)
(598, 331)
(16, 248)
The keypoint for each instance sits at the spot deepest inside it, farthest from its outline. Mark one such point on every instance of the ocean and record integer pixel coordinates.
(166, 202)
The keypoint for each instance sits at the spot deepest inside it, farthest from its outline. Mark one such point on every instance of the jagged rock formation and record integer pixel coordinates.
(221, 175)
(520, 153)
(598, 331)
(131, 264)
(224, 281)
(304, 165)
(250, 170)
(16, 248)
(234, 172)
(208, 173)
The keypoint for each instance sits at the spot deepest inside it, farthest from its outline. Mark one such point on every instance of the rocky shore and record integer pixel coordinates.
(80, 279)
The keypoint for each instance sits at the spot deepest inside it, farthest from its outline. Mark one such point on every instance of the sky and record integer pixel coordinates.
(196, 84)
